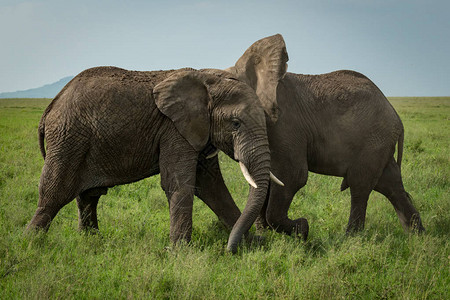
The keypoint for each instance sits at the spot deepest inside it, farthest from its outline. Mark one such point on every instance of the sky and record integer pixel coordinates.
(403, 46)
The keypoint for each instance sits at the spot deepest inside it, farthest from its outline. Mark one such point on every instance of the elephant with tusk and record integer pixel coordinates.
(110, 126)
(337, 124)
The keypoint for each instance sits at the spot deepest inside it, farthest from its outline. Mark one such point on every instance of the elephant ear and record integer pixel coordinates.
(184, 98)
(262, 66)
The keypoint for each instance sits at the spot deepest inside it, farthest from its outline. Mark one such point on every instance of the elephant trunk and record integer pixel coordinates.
(258, 175)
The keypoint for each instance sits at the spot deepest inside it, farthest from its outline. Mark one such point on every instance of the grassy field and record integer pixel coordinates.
(133, 258)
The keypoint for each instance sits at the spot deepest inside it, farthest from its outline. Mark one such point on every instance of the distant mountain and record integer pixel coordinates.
(46, 91)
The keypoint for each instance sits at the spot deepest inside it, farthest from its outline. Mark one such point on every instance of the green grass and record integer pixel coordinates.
(133, 258)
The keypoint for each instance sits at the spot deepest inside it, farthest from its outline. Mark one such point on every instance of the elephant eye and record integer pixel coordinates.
(235, 123)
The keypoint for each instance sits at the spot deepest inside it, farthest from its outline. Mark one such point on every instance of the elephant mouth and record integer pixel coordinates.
(250, 179)
(211, 151)
(212, 154)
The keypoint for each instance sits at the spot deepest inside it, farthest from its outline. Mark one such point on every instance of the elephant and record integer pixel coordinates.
(338, 124)
(110, 126)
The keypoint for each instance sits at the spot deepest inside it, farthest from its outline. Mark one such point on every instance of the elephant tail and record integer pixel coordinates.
(41, 134)
(400, 149)
(41, 129)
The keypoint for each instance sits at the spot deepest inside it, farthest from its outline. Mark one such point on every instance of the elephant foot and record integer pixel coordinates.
(180, 238)
(301, 228)
(89, 230)
(254, 239)
(41, 219)
(354, 228)
(261, 224)
(416, 224)
(87, 225)
(298, 227)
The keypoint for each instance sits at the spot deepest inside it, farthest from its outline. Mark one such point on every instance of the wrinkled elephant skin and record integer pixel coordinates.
(337, 124)
(111, 126)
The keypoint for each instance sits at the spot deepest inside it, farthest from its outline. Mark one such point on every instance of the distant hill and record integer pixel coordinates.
(46, 91)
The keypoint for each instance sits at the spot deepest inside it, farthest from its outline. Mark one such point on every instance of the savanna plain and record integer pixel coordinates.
(132, 256)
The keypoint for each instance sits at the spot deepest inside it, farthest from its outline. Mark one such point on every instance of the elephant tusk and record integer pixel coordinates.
(276, 180)
(213, 154)
(247, 175)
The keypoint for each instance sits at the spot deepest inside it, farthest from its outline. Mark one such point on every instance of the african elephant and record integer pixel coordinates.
(110, 126)
(337, 124)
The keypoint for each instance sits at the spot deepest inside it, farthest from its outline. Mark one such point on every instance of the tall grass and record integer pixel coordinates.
(132, 256)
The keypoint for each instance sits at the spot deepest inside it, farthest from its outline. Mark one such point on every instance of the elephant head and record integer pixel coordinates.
(226, 113)
(262, 66)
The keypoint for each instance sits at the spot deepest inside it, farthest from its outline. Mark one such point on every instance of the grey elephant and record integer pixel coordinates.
(336, 124)
(110, 126)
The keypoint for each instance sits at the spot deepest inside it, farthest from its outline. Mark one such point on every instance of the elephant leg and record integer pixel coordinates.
(357, 209)
(56, 189)
(390, 185)
(87, 209)
(211, 189)
(178, 163)
(279, 202)
(362, 177)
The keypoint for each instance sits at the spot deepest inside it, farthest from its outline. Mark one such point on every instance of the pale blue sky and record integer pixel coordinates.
(403, 46)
